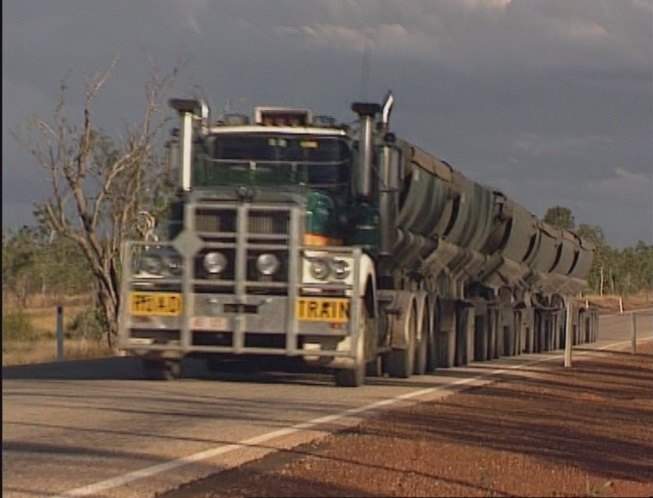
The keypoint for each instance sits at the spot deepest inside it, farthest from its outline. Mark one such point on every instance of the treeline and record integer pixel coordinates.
(622, 271)
(36, 264)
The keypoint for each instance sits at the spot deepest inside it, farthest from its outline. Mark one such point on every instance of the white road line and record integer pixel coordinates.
(221, 450)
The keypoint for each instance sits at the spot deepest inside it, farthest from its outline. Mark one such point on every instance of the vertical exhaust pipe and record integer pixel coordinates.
(388, 187)
(367, 112)
(386, 110)
(188, 109)
(388, 182)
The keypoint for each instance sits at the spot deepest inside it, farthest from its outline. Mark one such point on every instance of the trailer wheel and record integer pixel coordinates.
(401, 362)
(492, 336)
(374, 367)
(420, 356)
(161, 368)
(460, 353)
(355, 377)
(446, 348)
(431, 354)
(421, 352)
(508, 341)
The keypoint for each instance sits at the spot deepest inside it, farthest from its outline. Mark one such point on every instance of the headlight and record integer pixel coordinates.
(159, 262)
(319, 269)
(215, 262)
(267, 264)
(150, 263)
(340, 268)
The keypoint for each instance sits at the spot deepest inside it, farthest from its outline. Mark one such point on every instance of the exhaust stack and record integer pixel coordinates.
(367, 112)
(387, 109)
(188, 110)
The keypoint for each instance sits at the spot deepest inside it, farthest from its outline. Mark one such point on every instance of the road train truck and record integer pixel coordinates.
(345, 246)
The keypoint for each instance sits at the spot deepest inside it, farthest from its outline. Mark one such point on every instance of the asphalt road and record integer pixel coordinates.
(96, 428)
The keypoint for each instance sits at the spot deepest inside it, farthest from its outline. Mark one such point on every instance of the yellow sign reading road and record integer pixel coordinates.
(155, 303)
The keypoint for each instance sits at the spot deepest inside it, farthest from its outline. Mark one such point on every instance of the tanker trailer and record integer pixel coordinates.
(344, 246)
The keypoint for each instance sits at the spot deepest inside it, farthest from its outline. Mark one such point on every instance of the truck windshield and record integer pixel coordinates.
(274, 159)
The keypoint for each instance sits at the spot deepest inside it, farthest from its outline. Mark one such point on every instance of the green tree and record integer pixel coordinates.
(634, 269)
(19, 253)
(644, 270)
(34, 262)
(602, 255)
(560, 217)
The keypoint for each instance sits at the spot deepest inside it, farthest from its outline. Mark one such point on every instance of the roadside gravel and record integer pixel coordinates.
(584, 431)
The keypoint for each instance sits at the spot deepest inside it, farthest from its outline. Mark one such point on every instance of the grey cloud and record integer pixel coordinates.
(544, 99)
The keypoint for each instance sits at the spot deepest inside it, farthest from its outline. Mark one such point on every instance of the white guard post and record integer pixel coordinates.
(568, 334)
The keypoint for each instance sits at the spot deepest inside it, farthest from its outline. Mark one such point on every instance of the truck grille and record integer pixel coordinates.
(217, 221)
(259, 222)
(268, 222)
(265, 230)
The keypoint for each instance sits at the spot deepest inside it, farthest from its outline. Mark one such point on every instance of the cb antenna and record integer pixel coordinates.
(365, 71)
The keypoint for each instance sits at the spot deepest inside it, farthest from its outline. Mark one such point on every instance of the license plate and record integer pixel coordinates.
(323, 309)
(216, 323)
(155, 303)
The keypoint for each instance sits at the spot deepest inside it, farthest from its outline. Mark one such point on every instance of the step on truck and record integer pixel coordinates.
(292, 234)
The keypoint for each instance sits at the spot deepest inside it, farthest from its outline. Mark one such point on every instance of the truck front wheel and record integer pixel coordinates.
(161, 368)
(355, 377)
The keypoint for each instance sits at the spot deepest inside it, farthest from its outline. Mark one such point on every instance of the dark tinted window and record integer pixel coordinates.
(275, 159)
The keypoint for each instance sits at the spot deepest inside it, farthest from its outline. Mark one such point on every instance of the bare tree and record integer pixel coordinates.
(99, 185)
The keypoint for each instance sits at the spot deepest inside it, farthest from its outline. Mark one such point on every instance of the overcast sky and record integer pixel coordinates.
(549, 101)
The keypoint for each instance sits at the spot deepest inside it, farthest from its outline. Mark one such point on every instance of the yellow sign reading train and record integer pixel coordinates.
(322, 309)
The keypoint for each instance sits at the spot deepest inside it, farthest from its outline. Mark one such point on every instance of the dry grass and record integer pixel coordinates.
(44, 350)
(44, 320)
(40, 301)
(609, 303)
(40, 346)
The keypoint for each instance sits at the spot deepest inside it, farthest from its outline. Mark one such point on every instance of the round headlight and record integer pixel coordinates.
(150, 263)
(174, 266)
(340, 268)
(215, 262)
(267, 264)
(319, 269)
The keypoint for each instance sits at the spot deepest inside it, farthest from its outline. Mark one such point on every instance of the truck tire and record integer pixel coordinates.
(401, 362)
(350, 377)
(480, 339)
(421, 350)
(508, 341)
(355, 377)
(460, 357)
(446, 348)
(420, 356)
(161, 368)
(431, 353)
(491, 336)
(374, 367)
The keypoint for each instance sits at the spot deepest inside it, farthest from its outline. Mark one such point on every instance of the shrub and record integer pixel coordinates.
(87, 324)
(17, 326)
